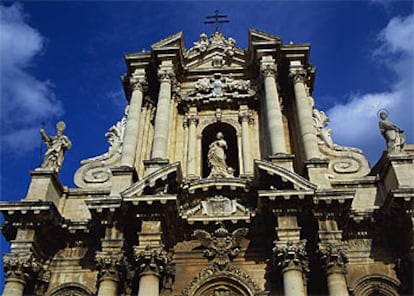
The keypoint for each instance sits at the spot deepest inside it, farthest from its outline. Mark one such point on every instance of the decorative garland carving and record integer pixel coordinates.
(344, 162)
(95, 172)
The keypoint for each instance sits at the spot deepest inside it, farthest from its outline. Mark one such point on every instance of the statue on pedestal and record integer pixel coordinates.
(217, 158)
(56, 147)
(393, 134)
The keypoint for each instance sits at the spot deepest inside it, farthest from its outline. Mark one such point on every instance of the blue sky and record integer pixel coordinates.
(63, 60)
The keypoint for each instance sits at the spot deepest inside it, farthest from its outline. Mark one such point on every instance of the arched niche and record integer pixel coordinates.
(208, 135)
(376, 285)
(70, 289)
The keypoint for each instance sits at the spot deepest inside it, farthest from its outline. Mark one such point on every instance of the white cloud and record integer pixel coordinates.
(355, 122)
(25, 100)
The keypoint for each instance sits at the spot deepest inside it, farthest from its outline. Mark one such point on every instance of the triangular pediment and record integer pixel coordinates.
(279, 178)
(160, 178)
(175, 41)
(256, 36)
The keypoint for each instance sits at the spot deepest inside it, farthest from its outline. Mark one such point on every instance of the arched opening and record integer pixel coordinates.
(222, 286)
(232, 152)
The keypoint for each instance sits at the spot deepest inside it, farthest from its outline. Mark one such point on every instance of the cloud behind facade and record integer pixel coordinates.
(26, 101)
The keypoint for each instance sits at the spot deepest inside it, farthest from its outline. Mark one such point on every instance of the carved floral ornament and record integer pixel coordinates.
(291, 254)
(334, 255)
(20, 265)
(110, 265)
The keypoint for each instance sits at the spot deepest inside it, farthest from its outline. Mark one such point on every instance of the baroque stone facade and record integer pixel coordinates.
(221, 179)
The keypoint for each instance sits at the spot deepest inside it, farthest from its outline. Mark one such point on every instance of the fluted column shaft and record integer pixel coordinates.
(336, 282)
(273, 110)
(162, 115)
(245, 117)
(132, 126)
(304, 111)
(192, 121)
(14, 286)
(149, 284)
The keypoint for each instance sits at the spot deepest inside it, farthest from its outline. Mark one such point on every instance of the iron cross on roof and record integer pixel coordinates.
(218, 19)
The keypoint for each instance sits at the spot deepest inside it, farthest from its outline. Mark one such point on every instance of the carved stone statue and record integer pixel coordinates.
(202, 44)
(393, 134)
(56, 147)
(217, 158)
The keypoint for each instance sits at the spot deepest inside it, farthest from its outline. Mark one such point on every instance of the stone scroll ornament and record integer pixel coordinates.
(344, 162)
(56, 147)
(393, 135)
(95, 172)
(217, 158)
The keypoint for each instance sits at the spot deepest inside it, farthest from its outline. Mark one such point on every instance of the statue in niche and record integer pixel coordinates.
(217, 158)
(56, 147)
(217, 88)
(393, 134)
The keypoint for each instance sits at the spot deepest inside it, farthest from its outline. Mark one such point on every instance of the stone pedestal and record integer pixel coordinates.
(317, 170)
(122, 178)
(154, 164)
(283, 160)
(45, 185)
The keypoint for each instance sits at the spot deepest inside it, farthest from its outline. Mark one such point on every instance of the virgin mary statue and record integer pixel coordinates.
(217, 158)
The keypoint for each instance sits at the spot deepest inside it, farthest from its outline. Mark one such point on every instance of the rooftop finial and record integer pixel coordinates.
(218, 19)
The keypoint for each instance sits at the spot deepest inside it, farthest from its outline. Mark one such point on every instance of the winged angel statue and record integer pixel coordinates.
(221, 246)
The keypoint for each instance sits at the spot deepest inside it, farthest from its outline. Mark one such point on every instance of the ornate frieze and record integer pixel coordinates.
(21, 265)
(221, 246)
(220, 87)
(290, 255)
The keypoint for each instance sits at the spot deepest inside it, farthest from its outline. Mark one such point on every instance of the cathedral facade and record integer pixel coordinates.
(221, 179)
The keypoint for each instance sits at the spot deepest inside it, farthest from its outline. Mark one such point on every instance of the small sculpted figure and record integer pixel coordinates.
(56, 147)
(202, 44)
(217, 158)
(393, 134)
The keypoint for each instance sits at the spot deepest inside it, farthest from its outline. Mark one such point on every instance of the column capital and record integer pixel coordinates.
(268, 67)
(110, 265)
(166, 74)
(246, 116)
(191, 119)
(298, 75)
(334, 256)
(154, 260)
(138, 83)
(291, 255)
(21, 265)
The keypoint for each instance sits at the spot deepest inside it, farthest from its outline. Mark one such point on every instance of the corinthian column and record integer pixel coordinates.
(18, 267)
(109, 267)
(304, 110)
(245, 118)
(162, 116)
(192, 121)
(291, 258)
(334, 260)
(134, 111)
(273, 111)
(154, 266)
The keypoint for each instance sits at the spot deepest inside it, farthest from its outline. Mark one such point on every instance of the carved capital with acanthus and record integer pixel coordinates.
(166, 74)
(153, 259)
(246, 116)
(110, 265)
(298, 75)
(138, 83)
(268, 67)
(291, 255)
(192, 119)
(333, 256)
(22, 265)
